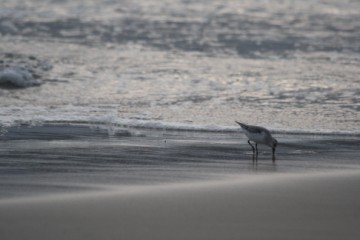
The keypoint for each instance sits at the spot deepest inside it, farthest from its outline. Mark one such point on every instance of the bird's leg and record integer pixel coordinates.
(251, 146)
(256, 149)
(273, 156)
(255, 159)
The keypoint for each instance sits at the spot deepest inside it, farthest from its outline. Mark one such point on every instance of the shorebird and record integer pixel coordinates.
(258, 135)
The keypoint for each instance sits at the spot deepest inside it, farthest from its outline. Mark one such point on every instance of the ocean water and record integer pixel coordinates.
(289, 65)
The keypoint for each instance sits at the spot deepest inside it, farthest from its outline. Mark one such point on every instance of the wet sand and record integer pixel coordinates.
(285, 206)
(62, 181)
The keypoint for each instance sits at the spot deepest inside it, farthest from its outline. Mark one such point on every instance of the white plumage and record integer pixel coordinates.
(259, 135)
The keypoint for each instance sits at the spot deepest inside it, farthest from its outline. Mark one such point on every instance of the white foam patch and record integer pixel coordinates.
(12, 117)
(18, 78)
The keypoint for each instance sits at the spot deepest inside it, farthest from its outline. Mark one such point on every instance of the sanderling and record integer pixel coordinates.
(258, 135)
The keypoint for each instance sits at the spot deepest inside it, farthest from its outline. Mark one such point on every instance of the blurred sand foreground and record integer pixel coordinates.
(286, 206)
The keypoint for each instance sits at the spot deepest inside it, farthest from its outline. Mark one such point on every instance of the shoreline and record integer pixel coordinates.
(155, 125)
(60, 159)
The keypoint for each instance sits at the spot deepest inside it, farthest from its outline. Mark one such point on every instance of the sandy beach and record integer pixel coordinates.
(77, 182)
(286, 206)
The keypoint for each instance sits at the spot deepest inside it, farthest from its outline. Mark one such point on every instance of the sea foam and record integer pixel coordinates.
(17, 78)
